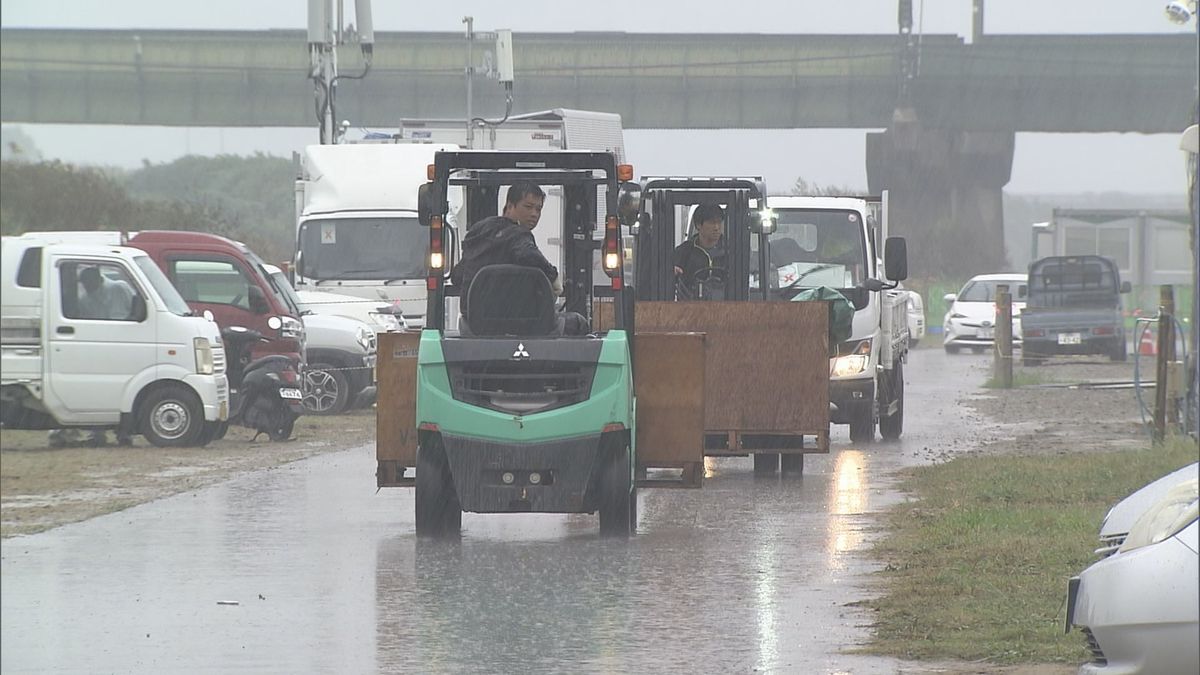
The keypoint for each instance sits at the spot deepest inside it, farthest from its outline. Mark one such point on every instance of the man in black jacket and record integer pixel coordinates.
(700, 261)
(507, 239)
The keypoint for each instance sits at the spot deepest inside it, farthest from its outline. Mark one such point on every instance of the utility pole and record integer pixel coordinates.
(976, 21)
(325, 33)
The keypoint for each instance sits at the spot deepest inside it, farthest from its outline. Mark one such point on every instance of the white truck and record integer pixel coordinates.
(97, 337)
(834, 242)
(356, 202)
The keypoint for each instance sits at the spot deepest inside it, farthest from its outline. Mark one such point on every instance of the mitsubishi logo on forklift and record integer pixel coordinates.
(520, 354)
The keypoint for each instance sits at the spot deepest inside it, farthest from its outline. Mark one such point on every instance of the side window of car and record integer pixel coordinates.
(212, 281)
(100, 292)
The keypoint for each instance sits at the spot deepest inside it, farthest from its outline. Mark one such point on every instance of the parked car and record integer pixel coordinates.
(341, 356)
(384, 317)
(1139, 607)
(971, 315)
(916, 318)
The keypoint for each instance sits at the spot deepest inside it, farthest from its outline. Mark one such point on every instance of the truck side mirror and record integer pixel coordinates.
(895, 257)
(1126, 287)
(425, 205)
(258, 301)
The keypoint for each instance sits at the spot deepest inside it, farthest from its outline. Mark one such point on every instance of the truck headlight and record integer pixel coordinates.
(202, 348)
(853, 358)
(387, 322)
(291, 329)
(365, 338)
(1175, 511)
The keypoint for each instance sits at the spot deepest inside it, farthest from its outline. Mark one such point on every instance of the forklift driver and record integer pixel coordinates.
(700, 261)
(507, 239)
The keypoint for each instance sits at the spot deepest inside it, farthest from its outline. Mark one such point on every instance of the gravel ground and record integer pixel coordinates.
(1057, 408)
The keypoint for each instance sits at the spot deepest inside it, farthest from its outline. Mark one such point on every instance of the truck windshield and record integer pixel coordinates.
(363, 248)
(162, 286)
(819, 248)
(282, 296)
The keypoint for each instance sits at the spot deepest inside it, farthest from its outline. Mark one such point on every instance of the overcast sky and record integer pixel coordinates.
(1043, 162)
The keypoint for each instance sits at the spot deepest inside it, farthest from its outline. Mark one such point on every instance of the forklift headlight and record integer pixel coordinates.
(204, 356)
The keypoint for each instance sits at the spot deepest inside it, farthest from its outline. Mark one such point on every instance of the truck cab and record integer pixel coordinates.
(833, 242)
(213, 274)
(96, 336)
(356, 222)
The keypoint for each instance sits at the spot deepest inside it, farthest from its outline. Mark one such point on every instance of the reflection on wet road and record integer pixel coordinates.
(745, 574)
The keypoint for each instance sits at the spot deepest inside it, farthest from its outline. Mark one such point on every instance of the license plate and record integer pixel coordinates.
(291, 393)
(985, 333)
(1069, 339)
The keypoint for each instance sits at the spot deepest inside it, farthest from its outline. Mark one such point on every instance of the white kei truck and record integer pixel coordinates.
(156, 370)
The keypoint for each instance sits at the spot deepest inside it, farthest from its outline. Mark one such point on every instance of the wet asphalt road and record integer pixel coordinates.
(747, 574)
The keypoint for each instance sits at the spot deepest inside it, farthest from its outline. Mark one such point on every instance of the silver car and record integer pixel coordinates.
(1139, 606)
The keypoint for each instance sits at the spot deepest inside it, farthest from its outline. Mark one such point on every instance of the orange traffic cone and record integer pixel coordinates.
(1148, 346)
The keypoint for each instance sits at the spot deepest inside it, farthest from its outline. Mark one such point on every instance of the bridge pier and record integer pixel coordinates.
(945, 194)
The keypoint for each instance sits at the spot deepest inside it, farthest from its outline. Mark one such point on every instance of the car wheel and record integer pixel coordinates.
(326, 389)
(172, 417)
(438, 511)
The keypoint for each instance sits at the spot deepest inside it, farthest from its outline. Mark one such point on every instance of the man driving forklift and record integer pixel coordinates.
(700, 261)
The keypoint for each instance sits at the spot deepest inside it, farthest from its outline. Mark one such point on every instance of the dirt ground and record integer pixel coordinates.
(43, 487)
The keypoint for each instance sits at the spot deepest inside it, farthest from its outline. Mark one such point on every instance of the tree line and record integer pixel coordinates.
(249, 199)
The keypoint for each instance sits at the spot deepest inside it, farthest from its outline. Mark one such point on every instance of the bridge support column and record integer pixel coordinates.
(945, 192)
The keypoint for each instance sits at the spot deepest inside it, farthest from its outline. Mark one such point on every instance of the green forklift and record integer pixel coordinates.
(497, 411)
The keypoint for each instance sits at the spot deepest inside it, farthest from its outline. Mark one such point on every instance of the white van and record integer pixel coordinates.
(96, 336)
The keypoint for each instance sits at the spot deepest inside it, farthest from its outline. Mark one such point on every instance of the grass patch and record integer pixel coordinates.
(1021, 378)
(976, 567)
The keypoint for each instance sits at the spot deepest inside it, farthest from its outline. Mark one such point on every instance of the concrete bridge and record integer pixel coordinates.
(945, 154)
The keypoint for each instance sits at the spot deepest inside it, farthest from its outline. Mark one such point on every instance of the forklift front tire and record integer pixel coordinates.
(618, 506)
(438, 511)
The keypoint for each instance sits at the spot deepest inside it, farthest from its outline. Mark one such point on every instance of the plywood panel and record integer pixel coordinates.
(669, 378)
(602, 314)
(766, 364)
(396, 403)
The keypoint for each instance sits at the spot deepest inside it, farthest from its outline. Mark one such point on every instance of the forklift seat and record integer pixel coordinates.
(510, 300)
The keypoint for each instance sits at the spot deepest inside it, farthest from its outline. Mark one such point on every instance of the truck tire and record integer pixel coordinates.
(438, 512)
(171, 416)
(891, 426)
(766, 463)
(326, 389)
(862, 424)
(618, 496)
(1030, 359)
(1120, 351)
